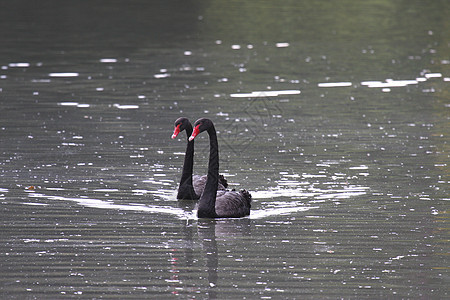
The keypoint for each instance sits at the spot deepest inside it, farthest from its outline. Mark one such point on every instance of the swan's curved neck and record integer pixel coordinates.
(207, 203)
(188, 166)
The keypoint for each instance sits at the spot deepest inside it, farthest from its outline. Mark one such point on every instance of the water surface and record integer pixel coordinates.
(333, 115)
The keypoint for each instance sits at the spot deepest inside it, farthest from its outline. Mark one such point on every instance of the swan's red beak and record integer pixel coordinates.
(195, 132)
(176, 131)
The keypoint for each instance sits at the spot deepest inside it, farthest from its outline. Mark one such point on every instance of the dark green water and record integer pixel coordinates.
(333, 114)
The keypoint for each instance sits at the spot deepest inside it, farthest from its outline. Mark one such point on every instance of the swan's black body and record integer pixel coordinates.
(222, 203)
(191, 186)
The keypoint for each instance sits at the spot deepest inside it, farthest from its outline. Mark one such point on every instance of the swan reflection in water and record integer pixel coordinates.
(209, 230)
(199, 248)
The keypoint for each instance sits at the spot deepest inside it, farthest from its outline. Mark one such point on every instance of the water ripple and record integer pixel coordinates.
(268, 209)
(279, 209)
(97, 203)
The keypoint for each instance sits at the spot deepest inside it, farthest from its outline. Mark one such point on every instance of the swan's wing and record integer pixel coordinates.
(199, 183)
(232, 204)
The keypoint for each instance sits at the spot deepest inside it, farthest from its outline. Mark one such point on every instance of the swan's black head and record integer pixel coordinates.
(201, 125)
(180, 124)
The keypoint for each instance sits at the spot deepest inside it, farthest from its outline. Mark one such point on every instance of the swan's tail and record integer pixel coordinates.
(223, 181)
(247, 196)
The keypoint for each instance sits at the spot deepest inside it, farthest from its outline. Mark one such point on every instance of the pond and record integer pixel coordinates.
(334, 115)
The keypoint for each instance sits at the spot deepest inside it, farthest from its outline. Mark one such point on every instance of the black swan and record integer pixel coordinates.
(214, 203)
(191, 186)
